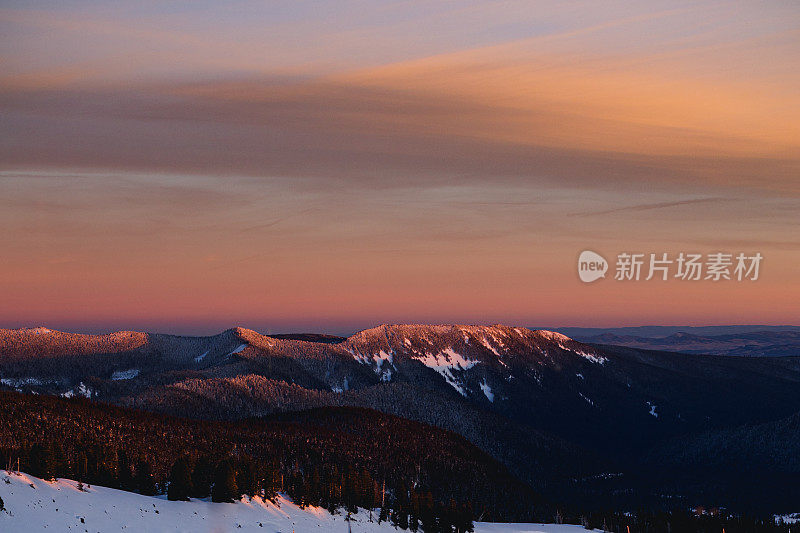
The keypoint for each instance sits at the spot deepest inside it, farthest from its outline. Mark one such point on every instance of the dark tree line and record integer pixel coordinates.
(229, 478)
(414, 476)
(411, 474)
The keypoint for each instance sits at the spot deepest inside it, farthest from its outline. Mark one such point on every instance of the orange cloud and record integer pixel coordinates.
(440, 188)
(652, 105)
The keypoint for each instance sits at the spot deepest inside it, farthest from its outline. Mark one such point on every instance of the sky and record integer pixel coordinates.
(326, 166)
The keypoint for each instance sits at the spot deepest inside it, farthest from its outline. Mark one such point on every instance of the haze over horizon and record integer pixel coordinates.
(343, 330)
(323, 166)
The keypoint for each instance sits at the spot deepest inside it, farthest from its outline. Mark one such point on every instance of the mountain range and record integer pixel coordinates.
(750, 344)
(587, 422)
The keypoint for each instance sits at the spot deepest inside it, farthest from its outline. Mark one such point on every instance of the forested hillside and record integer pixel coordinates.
(329, 457)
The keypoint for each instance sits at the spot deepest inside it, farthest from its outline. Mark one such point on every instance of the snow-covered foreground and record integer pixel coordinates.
(36, 505)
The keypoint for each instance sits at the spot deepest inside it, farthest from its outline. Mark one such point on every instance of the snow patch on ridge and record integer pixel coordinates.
(562, 342)
(237, 349)
(594, 358)
(361, 358)
(19, 382)
(444, 363)
(383, 356)
(125, 374)
(487, 390)
(792, 518)
(447, 358)
(381, 369)
(553, 336)
(83, 390)
(492, 348)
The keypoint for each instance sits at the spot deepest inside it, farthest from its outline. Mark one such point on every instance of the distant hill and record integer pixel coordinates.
(665, 331)
(772, 343)
(310, 337)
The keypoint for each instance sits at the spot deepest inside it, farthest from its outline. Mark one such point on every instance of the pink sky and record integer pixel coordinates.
(330, 166)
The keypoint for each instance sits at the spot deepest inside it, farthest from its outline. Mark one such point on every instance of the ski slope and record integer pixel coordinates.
(32, 504)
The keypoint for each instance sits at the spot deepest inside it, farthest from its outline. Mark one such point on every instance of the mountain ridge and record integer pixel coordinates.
(534, 399)
(244, 332)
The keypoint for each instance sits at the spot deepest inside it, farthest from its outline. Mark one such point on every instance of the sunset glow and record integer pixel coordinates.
(328, 166)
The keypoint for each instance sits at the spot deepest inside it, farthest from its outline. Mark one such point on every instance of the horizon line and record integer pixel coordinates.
(104, 331)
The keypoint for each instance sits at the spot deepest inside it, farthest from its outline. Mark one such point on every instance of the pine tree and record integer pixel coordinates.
(413, 512)
(81, 466)
(366, 490)
(105, 465)
(58, 460)
(224, 489)
(145, 483)
(413, 523)
(399, 515)
(40, 461)
(384, 515)
(402, 519)
(464, 519)
(271, 481)
(427, 513)
(246, 477)
(202, 477)
(180, 481)
(125, 475)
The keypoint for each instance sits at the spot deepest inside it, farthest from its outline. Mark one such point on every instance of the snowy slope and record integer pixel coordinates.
(36, 505)
(463, 355)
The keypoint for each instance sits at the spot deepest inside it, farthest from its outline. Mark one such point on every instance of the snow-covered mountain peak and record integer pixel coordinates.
(495, 338)
(448, 348)
(248, 335)
(425, 331)
(552, 335)
(243, 332)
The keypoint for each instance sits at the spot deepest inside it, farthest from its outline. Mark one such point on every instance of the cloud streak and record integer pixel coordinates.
(409, 161)
(348, 131)
(648, 207)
